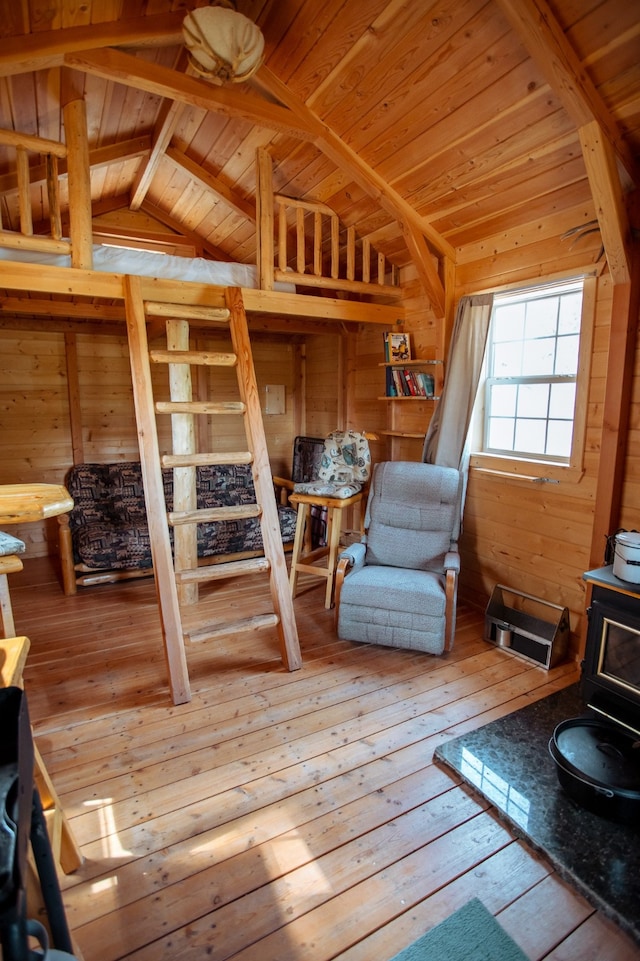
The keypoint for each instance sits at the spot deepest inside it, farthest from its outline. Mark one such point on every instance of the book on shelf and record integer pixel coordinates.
(397, 347)
(403, 382)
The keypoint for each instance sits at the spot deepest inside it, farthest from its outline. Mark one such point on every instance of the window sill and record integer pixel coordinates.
(526, 470)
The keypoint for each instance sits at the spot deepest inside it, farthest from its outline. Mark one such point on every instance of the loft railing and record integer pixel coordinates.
(315, 250)
(23, 146)
(303, 243)
(55, 160)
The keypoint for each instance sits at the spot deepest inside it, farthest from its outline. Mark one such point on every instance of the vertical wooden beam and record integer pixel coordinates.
(73, 390)
(264, 220)
(620, 367)
(606, 190)
(53, 193)
(300, 241)
(24, 191)
(75, 124)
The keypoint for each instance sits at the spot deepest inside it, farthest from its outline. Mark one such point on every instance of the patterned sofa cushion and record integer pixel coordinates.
(109, 523)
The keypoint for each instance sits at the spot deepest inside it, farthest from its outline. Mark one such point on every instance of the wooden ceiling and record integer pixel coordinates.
(432, 126)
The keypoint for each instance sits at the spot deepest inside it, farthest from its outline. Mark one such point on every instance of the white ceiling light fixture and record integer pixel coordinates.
(224, 45)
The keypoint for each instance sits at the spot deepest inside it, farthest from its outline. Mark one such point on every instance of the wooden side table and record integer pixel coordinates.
(304, 562)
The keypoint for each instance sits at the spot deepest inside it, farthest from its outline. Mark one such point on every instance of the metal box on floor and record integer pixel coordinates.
(527, 626)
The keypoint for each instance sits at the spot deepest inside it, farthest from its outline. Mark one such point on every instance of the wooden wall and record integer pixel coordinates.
(537, 537)
(35, 421)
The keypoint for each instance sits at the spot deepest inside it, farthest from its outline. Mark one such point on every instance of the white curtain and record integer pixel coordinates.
(446, 437)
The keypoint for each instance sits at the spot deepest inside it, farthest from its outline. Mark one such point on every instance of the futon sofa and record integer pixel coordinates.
(106, 537)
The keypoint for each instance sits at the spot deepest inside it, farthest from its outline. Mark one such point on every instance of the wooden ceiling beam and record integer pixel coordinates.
(211, 182)
(40, 51)
(170, 112)
(544, 38)
(124, 68)
(371, 182)
(609, 202)
(49, 309)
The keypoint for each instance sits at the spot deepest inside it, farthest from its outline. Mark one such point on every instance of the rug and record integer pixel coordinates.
(471, 934)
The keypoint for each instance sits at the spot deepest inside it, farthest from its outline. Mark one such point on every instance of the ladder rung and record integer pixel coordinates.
(235, 627)
(199, 407)
(202, 358)
(216, 572)
(207, 460)
(155, 308)
(208, 514)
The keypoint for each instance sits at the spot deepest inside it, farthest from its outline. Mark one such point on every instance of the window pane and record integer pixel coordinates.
(508, 322)
(542, 318)
(507, 359)
(539, 356)
(559, 438)
(503, 400)
(562, 402)
(567, 355)
(533, 400)
(501, 433)
(530, 436)
(570, 313)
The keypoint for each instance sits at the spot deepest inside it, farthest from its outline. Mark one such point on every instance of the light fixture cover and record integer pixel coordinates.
(223, 44)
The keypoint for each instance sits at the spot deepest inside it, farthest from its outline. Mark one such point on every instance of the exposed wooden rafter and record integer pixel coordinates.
(211, 182)
(42, 50)
(124, 68)
(548, 46)
(367, 178)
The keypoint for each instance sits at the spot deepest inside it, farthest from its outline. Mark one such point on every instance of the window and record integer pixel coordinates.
(533, 393)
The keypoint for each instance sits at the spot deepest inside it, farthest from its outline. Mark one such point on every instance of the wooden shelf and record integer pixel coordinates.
(408, 397)
(402, 433)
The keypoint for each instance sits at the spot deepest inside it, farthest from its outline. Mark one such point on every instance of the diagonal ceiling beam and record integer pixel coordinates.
(211, 182)
(39, 51)
(132, 71)
(608, 198)
(414, 226)
(548, 46)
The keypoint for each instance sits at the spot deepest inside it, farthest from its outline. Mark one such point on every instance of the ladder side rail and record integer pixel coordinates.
(263, 482)
(154, 492)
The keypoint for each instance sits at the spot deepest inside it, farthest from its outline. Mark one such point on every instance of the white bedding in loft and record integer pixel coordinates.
(146, 263)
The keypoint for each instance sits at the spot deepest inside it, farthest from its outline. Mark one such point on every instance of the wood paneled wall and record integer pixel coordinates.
(537, 537)
(35, 409)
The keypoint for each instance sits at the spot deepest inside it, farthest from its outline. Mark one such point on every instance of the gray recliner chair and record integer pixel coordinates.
(398, 586)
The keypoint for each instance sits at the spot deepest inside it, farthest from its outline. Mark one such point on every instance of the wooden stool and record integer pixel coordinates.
(10, 563)
(304, 562)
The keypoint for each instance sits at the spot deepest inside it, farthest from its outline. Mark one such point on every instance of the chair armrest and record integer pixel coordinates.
(282, 485)
(352, 556)
(452, 561)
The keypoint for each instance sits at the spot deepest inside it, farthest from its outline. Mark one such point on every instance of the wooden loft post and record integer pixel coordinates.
(264, 220)
(75, 123)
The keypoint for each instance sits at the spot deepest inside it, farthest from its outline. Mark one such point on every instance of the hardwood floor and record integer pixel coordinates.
(278, 815)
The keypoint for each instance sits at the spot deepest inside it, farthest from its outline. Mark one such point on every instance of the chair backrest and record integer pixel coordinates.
(346, 458)
(307, 456)
(413, 514)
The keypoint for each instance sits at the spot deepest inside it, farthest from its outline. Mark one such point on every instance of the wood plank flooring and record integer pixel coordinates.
(278, 815)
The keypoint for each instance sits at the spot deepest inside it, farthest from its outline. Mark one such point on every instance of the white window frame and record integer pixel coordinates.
(530, 467)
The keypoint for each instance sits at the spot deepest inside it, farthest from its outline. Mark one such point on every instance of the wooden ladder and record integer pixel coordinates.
(178, 575)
